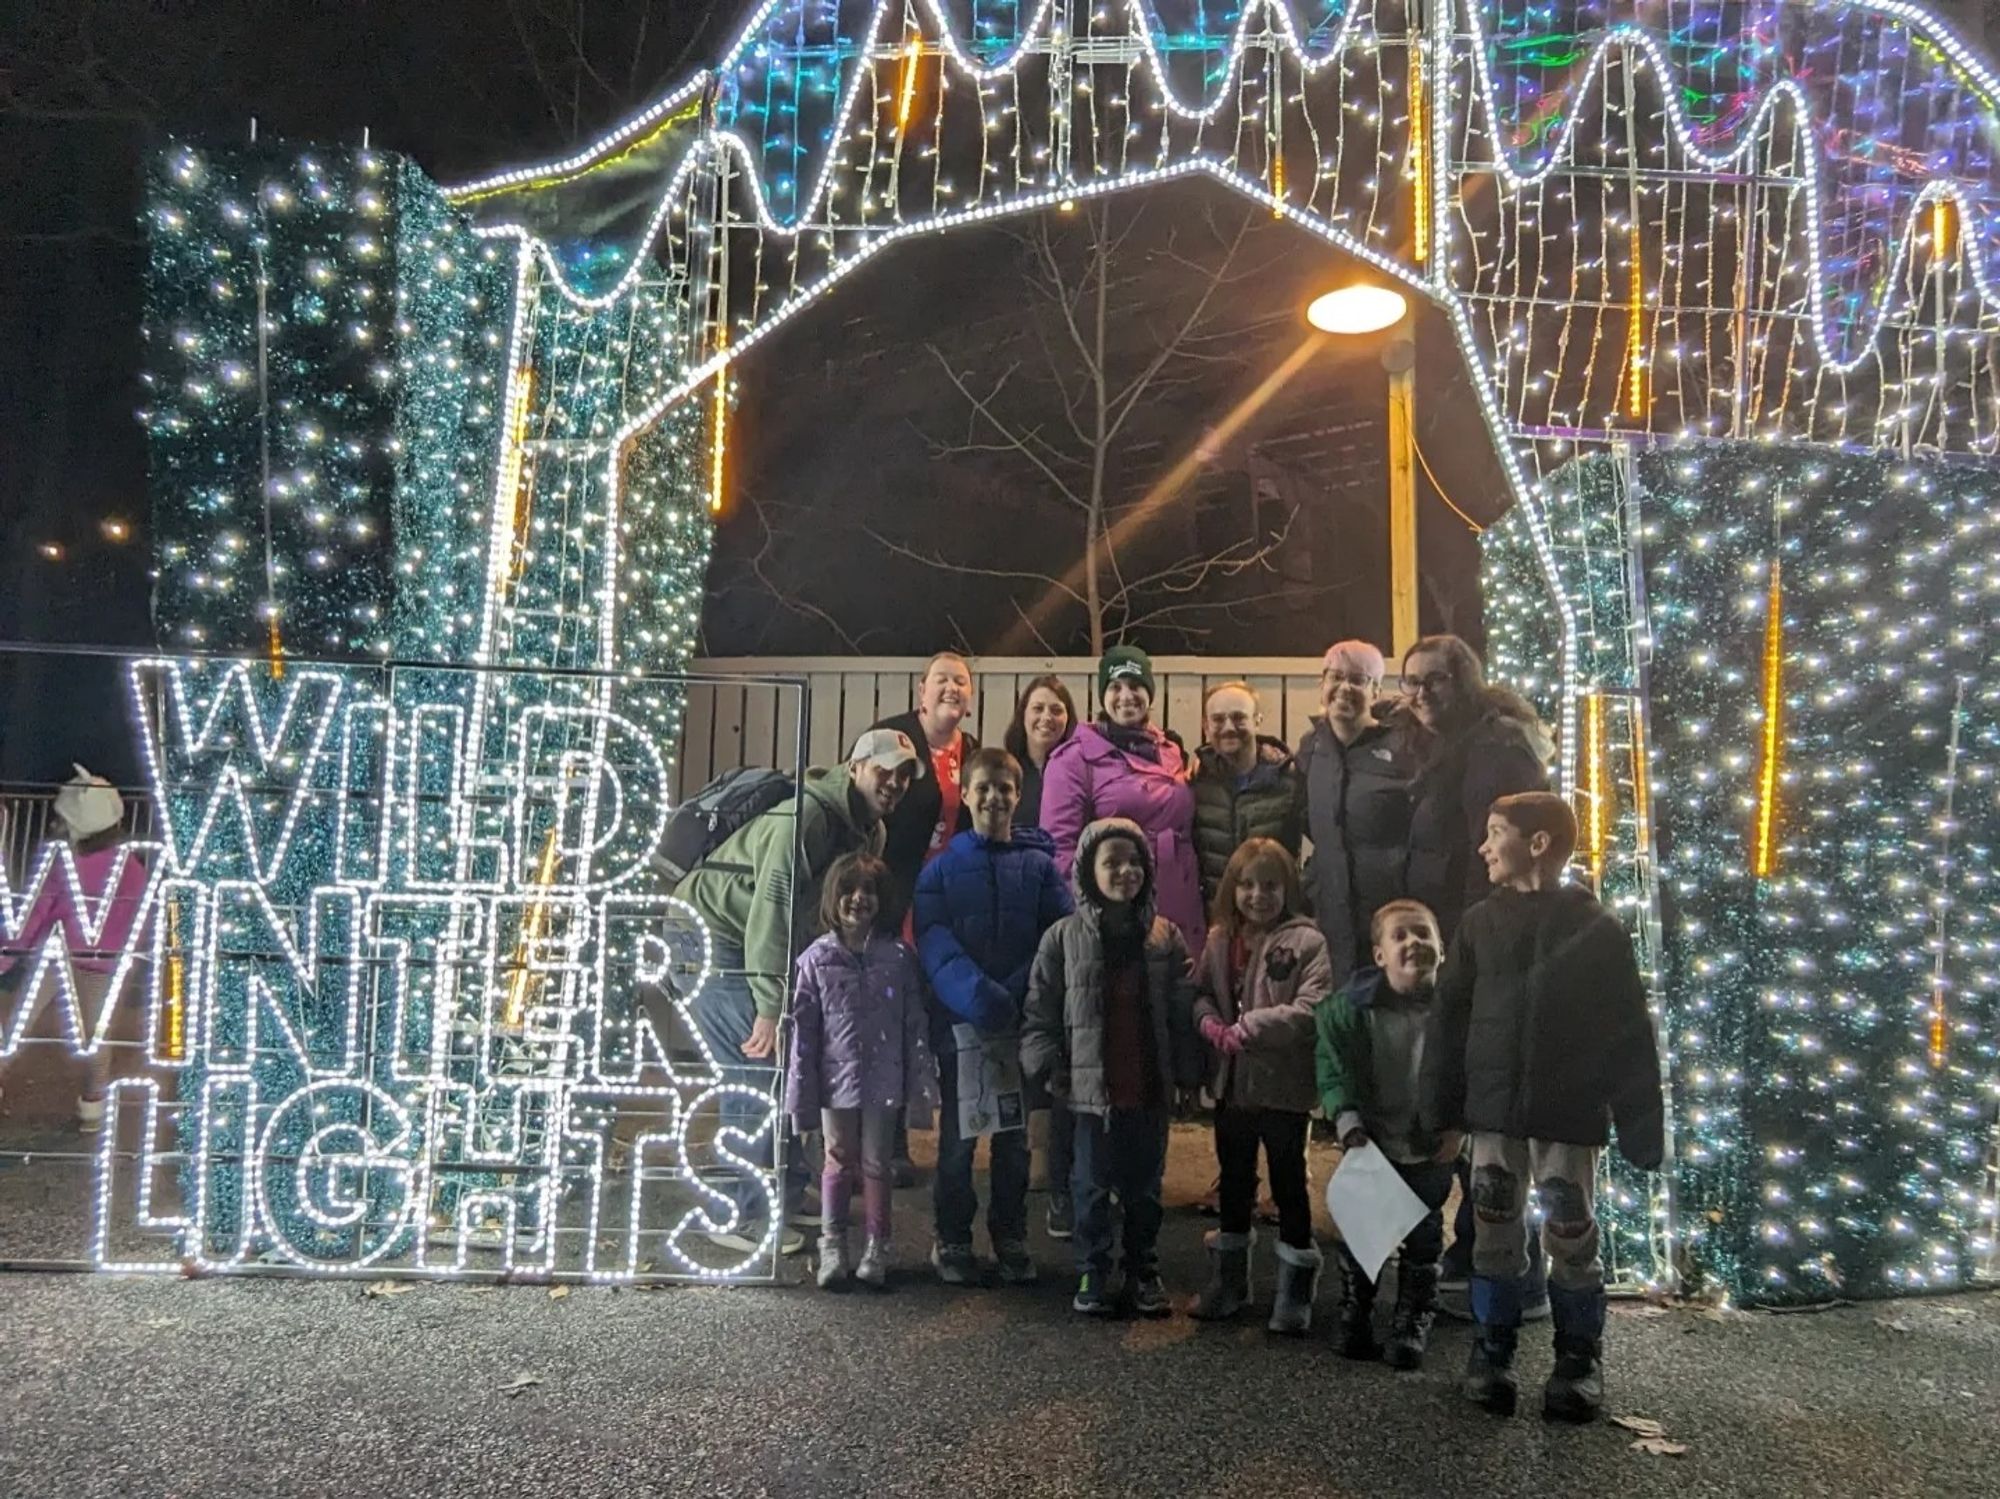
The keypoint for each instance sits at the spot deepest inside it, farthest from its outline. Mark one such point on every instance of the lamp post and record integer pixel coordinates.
(1349, 312)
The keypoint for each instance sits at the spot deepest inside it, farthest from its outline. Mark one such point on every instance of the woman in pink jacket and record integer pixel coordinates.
(1123, 766)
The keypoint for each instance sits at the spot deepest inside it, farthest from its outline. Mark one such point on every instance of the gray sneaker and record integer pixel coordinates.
(873, 1271)
(956, 1265)
(834, 1263)
(1017, 1268)
(1062, 1215)
(1149, 1297)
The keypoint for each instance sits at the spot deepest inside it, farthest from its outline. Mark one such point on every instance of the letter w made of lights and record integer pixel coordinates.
(494, 434)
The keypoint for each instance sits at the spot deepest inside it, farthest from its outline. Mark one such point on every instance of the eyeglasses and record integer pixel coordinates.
(1433, 685)
(1347, 678)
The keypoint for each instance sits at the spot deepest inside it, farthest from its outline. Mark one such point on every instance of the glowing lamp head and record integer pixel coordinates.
(1357, 309)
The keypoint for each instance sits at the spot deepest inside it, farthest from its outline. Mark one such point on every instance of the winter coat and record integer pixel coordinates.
(1089, 778)
(981, 910)
(906, 837)
(1062, 1033)
(1497, 756)
(112, 883)
(1358, 812)
(1270, 803)
(1344, 1054)
(1284, 981)
(1542, 1030)
(745, 890)
(858, 1024)
(1028, 813)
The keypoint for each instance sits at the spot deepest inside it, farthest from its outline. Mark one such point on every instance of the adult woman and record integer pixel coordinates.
(919, 829)
(1043, 718)
(1357, 772)
(1123, 766)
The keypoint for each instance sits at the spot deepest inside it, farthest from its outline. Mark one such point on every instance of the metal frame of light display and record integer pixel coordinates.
(1762, 222)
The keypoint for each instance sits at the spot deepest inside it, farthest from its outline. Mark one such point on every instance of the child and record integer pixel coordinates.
(114, 879)
(981, 908)
(1110, 1027)
(858, 1057)
(1543, 984)
(1264, 971)
(1370, 1052)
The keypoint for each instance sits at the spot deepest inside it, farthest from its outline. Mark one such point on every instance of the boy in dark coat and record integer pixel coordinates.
(981, 908)
(1543, 1040)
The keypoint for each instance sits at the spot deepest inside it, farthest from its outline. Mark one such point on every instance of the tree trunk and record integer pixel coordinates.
(1095, 531)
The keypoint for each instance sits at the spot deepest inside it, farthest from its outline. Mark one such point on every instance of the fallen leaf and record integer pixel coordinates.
(1893, 1324)
(383, 1288)
(556, 1293)
(523, 1382)
(1660, 1447)
(1640, 1426)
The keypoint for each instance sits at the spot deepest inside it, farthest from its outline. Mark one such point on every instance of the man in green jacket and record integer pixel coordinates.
(1245, 784)
(760, 914)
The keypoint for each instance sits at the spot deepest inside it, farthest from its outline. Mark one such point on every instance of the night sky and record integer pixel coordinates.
(841, 417)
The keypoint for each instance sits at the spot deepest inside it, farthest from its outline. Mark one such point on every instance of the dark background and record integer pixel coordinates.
(840, 418)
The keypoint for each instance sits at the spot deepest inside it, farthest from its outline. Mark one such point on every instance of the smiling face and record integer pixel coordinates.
(992, 794)
(1408, 949)
(884, 788)
(945, 698)
(1230, 722)
(1119, 871)
(1347, 690)
(1435, 695)
(1127, 703)
(1046, 720)
(857, 909)
(1260, 896)
(1510, 854)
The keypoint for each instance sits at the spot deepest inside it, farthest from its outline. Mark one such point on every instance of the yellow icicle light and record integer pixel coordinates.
(1941, 241)
(720, 443)
(1419, 157)
(1766, 860)
(513, 462)
(1635, 332)
(534, 925)
(277, 650)
(906, 91)
(1277, 180)
(174, 1013)
(1596, 782)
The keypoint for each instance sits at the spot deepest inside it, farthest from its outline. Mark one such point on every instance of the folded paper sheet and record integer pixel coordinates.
(1372, 1206)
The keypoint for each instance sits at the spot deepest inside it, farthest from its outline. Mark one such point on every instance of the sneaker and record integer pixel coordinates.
(1149, 1296)
(1062, 1215)
(809, 1213)
(1017, 1268)
(90, 1115)
(956, 1265)
(751, 1239)
(873, 1271)
(834, 1265)
(1090, 1299)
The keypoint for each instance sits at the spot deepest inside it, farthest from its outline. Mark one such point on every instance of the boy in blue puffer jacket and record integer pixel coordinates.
(981, 908)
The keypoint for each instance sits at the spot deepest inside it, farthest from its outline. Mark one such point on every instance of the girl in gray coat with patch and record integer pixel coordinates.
(1109, 1028)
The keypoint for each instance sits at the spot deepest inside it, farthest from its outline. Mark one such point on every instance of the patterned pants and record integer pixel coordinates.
(1564, 1178)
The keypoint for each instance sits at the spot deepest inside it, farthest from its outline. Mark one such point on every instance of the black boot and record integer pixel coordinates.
(1489, 1372)
(1416, 1306)
(1575, 1391)
(1357, 1312)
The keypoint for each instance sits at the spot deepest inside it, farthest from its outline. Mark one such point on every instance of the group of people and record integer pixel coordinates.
(1378, 929)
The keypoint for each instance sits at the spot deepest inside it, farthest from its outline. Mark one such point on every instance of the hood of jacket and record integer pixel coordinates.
(1083, 878)
(1274, 757)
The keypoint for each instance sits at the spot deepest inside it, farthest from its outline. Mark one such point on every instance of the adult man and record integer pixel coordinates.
(760, 912)
(1356, 771)
(1245, 784)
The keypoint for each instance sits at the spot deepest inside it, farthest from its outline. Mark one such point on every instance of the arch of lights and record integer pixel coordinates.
(1760, 222)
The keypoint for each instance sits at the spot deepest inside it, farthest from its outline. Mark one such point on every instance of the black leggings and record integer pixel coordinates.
(1282, 1133)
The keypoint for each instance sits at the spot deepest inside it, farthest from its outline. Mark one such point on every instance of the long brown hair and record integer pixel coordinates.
(858, 871)
(1016, 737)
(1251, 855)
(1469, 676)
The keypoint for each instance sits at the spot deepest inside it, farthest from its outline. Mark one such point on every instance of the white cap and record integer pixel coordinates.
(89, 805)
(887, 748)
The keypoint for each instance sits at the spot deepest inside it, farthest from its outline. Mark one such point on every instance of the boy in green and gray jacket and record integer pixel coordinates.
(1370, 1056)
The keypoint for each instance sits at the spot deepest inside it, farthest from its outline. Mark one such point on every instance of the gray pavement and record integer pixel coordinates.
(254, 1387)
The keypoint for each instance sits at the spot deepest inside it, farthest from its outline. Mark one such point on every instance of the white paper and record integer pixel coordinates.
(990, 1098)
(1372, 1206)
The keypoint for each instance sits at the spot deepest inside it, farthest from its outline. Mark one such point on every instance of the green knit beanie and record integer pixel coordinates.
(1128, 662)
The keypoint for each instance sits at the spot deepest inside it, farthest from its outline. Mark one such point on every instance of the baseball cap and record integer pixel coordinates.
(887, 748)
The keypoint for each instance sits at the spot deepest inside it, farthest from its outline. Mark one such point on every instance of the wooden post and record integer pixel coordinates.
(1400, 359)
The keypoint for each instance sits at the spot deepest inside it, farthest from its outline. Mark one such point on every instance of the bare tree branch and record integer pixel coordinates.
(966, 569)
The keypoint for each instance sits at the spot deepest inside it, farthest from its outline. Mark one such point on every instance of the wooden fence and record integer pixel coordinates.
(758, 723)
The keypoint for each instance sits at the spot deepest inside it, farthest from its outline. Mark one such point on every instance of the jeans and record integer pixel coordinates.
(1239, 1131)
(1061, 1139)
(724, 1012)
(1123, 1152)
(1458, 1259)
(860, 1143)
(953, 1195)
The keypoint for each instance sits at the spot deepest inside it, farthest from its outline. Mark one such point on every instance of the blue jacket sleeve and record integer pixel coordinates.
(1052, 903)
(961, 985)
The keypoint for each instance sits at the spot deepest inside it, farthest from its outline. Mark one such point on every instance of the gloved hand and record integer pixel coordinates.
(1224, 1038)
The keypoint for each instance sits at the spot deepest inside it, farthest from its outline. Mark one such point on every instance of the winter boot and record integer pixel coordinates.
(1228, 1288)
(1416, 1305)
(835, 1263)
(1575, 1391)
(873, 1271)
(1489, 1370)
(1298, 1279)
(1357, 1311)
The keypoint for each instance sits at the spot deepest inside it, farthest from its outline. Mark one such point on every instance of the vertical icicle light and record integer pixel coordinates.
(1765, 862)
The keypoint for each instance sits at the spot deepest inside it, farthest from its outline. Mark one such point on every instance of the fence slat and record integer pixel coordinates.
(694, 767)
(823, 746)
(761, 739)
(858, 707)
(1301, 703)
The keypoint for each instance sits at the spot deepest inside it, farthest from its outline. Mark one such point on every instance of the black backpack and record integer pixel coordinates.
(704, 822)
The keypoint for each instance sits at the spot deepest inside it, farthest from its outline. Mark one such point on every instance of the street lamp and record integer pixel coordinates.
(1355, 310)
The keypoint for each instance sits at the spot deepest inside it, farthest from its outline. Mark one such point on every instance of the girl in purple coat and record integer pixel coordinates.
(859, 1055)
(1123, 766)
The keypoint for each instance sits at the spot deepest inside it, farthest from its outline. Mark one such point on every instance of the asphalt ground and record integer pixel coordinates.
(114, 1386)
